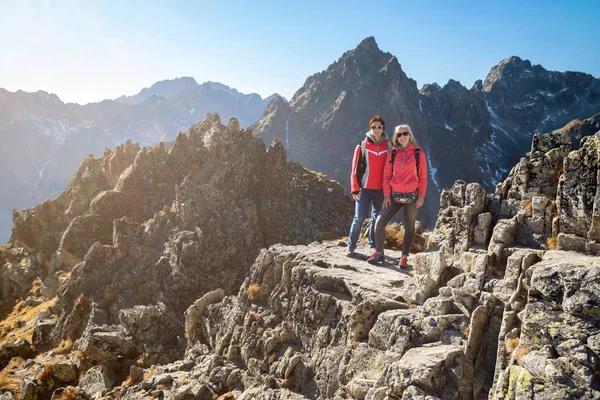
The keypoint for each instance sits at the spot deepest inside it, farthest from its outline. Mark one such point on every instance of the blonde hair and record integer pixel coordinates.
(413, 141)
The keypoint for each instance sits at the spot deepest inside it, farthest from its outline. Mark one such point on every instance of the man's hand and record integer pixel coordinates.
(356, 196)
(420, 201)
(386, 202)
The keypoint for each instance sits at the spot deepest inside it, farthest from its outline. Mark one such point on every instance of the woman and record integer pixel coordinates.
(366, 180)
(404, 186)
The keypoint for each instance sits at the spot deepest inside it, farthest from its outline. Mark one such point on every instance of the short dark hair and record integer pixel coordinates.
(377, 118)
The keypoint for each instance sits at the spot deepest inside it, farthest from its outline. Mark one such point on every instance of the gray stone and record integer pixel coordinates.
(569, 242)
(358, 388)
(64, 372)
(538, 205)
(482, 230)
(437, 369)
(30, 390)
(430, 263)
(97, 380)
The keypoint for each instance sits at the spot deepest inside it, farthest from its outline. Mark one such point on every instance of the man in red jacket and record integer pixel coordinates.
(366, 180)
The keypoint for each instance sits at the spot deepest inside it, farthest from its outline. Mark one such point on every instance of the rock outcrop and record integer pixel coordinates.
(44, 139)
(177, 223)
(502, 304)
(489, 311)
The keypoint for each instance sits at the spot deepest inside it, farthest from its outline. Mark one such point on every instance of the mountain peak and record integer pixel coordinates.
(368, 43)
(515, 62)
(165, 88)
(509, 69)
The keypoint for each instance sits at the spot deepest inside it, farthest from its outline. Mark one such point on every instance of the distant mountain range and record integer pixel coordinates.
(43, 140)
(474, 134)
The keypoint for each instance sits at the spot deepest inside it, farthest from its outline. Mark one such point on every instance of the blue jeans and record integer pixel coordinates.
(370, 199)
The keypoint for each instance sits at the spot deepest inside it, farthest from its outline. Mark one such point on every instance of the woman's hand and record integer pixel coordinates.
(420, 200)
(386, 202)
(356, 196)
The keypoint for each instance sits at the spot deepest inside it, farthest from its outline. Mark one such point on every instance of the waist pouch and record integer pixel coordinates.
(404, 197)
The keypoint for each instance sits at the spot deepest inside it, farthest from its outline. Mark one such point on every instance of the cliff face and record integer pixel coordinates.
(502, 304)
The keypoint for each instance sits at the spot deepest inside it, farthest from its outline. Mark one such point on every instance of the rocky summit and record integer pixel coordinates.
(44, 139)
(503, 304)
(476, 134)
(110, 266)
(210, 270)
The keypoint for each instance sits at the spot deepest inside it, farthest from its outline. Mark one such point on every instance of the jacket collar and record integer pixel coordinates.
(371, 139)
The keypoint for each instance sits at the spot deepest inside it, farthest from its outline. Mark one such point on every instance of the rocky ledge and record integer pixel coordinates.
(312, 323)
(135, 296)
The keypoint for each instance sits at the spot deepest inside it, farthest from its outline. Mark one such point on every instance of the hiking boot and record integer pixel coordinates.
(350, 251)
(376, 258)
(403, 264)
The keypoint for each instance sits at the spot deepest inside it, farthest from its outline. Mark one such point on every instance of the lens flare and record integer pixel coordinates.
(192, 111)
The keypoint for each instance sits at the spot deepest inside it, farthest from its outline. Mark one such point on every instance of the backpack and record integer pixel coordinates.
(417, 158)
(362, 161)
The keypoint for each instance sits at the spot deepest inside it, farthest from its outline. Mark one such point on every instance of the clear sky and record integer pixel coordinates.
(88, 51)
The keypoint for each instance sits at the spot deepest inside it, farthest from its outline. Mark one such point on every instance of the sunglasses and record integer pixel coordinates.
(376, 126)
(403, 134)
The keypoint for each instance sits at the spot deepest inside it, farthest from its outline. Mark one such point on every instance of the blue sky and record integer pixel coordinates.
(88, 51)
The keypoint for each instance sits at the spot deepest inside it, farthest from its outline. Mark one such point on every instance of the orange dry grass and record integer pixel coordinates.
(36, 287)
(11, 323)
(558, 171)
(63, 274)
(528, 206)
(46, 372)
(149, 374)
(129, 381)
(523, 350)
(254, 315)
(573, 124)
(466, 331)
(552, 243)
(394, 238)
(289, 382)
(511, 345)
(10, 384)
(254, 291)
(70, 393)
(272, 358)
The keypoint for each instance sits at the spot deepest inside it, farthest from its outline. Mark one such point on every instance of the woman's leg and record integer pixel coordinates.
(382, 220)
(410, 217)
(376, 209)
(361, 209)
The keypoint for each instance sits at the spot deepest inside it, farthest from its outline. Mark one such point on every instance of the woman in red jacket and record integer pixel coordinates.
(366, 180)
(404, 186)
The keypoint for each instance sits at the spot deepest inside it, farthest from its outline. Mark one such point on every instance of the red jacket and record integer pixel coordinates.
(405, 177)
(375, 156)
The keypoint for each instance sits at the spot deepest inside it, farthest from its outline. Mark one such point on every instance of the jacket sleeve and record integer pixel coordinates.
(354, 184)
(387, 174)
(422, 188)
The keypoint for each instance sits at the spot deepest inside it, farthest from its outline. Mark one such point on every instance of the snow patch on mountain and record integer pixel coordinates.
(432, 171)
(58, 129)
